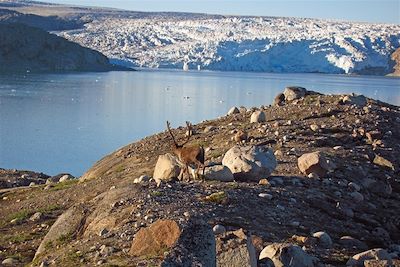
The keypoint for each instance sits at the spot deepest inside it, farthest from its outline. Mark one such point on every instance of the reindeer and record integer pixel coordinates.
(188, 155)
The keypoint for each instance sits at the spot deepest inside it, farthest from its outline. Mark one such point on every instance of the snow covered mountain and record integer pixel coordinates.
(237, 43)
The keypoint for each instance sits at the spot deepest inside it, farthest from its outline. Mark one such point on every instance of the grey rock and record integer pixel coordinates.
(286, 254)
(103, 232)
(195, 247)
(67, 224)
(357, 197)
(354, 186)
(258, 116)
(265, 195)
(141, 179)
(314, 162)
(236, 249)
(219, 173)
(106, 251)
(167, 168)
(294, 92)
(233, 110)
(66, 177)
(279, 100)
(38, 216)
(219, 229)
(250, 163)
(351, 243)
(323, 239)
(10, 262)
(372, 254)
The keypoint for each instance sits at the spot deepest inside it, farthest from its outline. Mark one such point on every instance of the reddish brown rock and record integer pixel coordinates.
(153, 240)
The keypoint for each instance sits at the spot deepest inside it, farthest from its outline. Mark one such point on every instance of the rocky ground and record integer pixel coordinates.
(320, 214)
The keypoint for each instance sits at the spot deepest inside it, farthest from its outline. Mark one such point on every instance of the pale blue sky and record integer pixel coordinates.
(387, 11)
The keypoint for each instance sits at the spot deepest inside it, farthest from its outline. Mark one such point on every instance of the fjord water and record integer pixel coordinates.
(56, 123)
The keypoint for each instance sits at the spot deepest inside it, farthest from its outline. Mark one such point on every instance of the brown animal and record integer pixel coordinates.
(240, 136)
(188, 155)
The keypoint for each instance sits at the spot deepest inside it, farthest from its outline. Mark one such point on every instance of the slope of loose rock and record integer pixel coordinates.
(286, 207)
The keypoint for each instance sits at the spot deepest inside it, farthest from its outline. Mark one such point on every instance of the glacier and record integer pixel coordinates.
(234, 43)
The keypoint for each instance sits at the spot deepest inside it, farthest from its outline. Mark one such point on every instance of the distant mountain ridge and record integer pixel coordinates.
(231, 43)
(24, 48)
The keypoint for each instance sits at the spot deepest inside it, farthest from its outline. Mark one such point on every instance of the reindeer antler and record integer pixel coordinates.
(189, 131)
(170, 132)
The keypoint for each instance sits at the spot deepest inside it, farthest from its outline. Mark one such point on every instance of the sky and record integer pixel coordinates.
(384, 11)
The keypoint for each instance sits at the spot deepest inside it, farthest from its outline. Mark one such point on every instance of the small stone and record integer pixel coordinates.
(36, 217)
(103, 232)
(186, 214)
(337, 147)
(264, 182)
(278, 153)
(354, 186)
(141, 179)
(314, 127)
(324, 239)
(106, 251)
(265, 195)
(66, 177)
(295, 223)
(10, 262)
(32, 184)
(313, 175)
(351, 242)
(381, 161)
(279, 207)
(219, 229)
(357, 197)
(372, 254)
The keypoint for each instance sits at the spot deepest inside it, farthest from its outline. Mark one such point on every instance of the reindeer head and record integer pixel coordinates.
(189, 133)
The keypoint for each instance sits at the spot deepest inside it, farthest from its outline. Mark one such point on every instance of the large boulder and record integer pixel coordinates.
(219, 173)
(233, 110)
(236, 249)
(286, 254)
(258, 116)
(372, 254)
(250, 163)
(294, 92)
(195, 247)
(279, 100)
(167, 168)
(67, 226)
(314, 162)
(153, 240)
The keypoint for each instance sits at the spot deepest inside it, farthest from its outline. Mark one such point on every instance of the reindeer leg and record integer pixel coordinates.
(187, 171)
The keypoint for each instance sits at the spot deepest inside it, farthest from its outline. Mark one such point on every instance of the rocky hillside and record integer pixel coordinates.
(48, 23)
(312, 180)
(24, 48)
(396, 62)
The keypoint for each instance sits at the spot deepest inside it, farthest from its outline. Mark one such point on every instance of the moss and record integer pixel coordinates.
(49, 209)
(156, 193)
(17, 216)
(218, 197)
(64, 185)
(216, 154)
(64, 238)
(120, 168)
(18, 237)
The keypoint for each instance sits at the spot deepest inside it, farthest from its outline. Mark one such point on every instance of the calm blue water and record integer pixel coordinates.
(66, 122)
